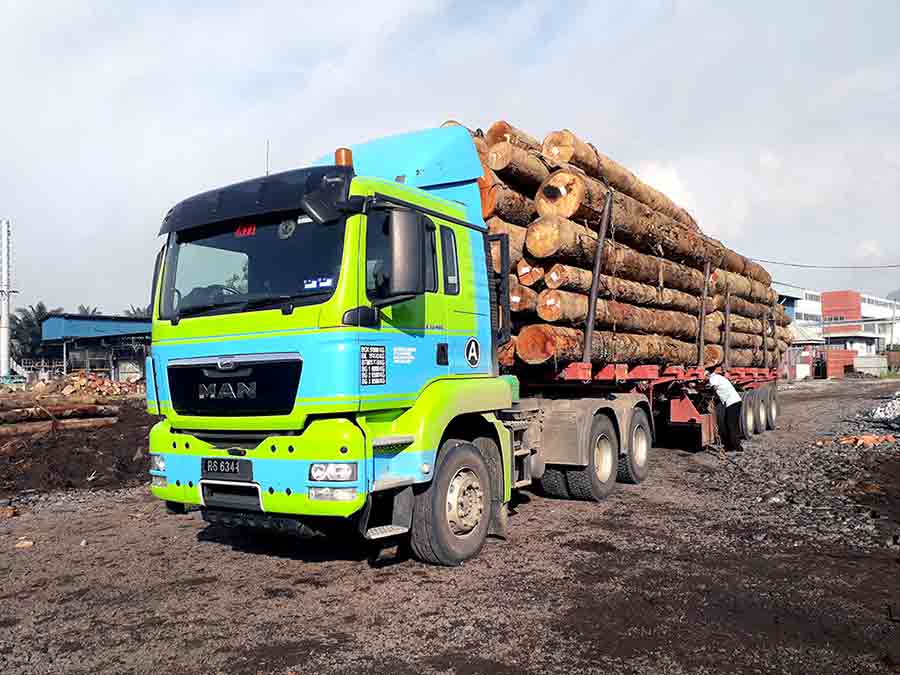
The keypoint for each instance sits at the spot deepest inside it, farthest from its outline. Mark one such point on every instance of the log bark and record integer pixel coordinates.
(575, 279)
(506, 354)
(542, 343)
(745, 287)
(566, 241)
(498, 199)
(570, 194)
(566, 307)
(517, 167)
(522, 298)
(504, 131)
(740, 306)
(58, 412)
(529, 272)
(565, 147)
(27, 428)
(516, 234)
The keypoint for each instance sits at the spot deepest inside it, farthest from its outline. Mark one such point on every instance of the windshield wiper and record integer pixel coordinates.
(287, 300)
(195, 310)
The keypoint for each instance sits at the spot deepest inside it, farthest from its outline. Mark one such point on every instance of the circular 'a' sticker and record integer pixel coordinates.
(473, 352)
(286, 229)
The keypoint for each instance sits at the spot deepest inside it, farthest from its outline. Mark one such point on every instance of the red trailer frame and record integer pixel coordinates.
(646, 378)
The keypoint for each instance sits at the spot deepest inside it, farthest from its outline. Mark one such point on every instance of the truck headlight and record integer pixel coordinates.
(333, 471)
(332, 494)
(157, 463)
(158, 482)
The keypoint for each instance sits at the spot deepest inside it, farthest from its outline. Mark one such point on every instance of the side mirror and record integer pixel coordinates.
(405, 267)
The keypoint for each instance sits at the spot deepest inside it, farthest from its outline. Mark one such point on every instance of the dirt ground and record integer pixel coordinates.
(108, 457)
(741, 564)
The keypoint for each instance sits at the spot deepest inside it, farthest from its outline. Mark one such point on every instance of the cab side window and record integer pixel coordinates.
(451, 263)
(378, 255)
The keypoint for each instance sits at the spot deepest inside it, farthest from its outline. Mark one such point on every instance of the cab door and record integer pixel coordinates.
(408, 347)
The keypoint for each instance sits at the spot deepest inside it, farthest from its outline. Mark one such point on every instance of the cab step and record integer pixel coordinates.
(384, 531)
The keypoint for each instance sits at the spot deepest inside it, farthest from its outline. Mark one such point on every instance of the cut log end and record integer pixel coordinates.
(500, 156)
(528, 272)
(549, 306)
(559, 146)
(504, 131)
(560, 195)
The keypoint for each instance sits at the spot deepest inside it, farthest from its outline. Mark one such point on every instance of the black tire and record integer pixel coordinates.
(553, 483)
(431, 538)
(634, 463)
(491, 453)
(598, 479)
(761, 405)
(772, 410)
(748, 416)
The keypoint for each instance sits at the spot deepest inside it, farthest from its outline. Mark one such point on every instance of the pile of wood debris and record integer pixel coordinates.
(91, 385)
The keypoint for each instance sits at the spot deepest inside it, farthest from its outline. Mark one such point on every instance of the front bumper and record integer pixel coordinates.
(280, 467)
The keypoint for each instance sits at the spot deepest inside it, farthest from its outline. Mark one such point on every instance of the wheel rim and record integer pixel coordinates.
(749, 419)
(762, 416)
(640, 446)
(603, 462)
(465, 502)
(773, 410)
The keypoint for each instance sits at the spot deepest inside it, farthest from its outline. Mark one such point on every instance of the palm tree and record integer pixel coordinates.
(87, 310)
(138, 311)
(25, 329)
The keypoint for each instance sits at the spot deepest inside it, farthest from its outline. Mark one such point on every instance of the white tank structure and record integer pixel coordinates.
(5, 294)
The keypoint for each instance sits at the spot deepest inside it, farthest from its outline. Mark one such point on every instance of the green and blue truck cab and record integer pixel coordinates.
(324, 349)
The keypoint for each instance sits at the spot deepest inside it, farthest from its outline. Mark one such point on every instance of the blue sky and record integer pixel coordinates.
(774, 123)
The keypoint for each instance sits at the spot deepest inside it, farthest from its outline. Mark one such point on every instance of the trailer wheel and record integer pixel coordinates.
(451, 516)
(597, 479)
(634, 462)
(760, 406)
(772, 408)
(748, 416)
(553, 483)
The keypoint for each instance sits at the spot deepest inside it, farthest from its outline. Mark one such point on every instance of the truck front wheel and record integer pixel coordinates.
(451, 516)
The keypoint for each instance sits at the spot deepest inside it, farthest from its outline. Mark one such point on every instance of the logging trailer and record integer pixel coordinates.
(324, 352)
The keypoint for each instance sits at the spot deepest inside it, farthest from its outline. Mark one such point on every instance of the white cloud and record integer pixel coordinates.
(113, 112)
(868, 250)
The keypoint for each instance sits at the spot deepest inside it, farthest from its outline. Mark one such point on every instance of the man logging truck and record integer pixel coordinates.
(727, 394)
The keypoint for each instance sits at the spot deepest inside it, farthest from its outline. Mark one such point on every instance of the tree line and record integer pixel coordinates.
(25, 325)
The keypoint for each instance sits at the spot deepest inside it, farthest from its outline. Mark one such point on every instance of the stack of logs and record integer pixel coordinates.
(33, 418)
(661, 276)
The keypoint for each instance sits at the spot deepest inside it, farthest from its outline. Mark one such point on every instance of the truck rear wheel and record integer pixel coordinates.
(598, 478)
(451, 516)
(553, 483)
(633, 463)
(772, 408)
(748, 416)
(760, 408)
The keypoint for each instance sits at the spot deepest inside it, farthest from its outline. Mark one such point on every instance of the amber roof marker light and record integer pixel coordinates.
(343, 157)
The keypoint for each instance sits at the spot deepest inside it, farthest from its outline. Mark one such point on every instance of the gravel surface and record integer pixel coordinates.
(781, 559)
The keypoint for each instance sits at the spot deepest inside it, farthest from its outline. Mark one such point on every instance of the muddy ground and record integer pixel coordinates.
(708, 567)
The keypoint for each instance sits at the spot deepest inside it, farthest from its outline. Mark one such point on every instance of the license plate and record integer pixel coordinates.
(224, 467)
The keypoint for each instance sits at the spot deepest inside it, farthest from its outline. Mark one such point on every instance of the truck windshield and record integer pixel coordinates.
(252, 264)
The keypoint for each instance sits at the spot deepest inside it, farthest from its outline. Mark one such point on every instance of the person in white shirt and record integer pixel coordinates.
(727, 394)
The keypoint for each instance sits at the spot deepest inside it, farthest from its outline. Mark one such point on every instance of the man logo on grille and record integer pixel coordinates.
(473, 352)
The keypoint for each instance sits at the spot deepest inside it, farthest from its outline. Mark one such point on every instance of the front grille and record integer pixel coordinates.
(256, 384)
(233, 439)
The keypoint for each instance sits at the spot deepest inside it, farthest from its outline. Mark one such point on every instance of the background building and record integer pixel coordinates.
(113, 346)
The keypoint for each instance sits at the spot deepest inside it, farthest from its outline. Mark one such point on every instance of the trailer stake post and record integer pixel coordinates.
(595, 280)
